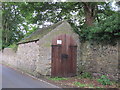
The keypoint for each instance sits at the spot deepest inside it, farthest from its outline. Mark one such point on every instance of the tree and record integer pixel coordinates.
(21, 19)
(107, 30)
(10, 20)
(59, 11)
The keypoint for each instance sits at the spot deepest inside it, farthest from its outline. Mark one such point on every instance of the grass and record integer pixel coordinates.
(83, 85)
(58, 78)
(104, 80)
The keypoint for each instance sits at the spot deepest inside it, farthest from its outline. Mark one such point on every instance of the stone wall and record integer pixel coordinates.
(9, 57)
(0, 56)
(24, 58)
(27, 55)
(35, 57)
(44, 62)
(99, 59)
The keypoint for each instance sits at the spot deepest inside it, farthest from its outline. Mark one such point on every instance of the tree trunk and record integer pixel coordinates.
(89, 14)
(89, 19)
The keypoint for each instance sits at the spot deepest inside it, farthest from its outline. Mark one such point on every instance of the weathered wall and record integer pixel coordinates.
(99, 59)
(24, 58)
(27, 55)
(35, 57)
(9, 57)
(44, 62)
(0, 56)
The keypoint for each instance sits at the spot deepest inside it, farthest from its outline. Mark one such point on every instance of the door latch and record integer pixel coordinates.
(64, 56)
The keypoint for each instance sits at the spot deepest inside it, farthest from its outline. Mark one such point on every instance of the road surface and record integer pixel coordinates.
(15, 79)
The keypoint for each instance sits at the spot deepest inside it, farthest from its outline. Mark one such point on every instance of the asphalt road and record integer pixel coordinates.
(15, 79)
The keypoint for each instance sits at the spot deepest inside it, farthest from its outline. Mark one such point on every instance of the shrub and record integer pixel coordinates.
(104, 80)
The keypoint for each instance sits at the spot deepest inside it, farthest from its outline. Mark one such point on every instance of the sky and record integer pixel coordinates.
(115, 7)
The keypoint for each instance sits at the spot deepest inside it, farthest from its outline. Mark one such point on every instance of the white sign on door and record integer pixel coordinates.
(59, 41)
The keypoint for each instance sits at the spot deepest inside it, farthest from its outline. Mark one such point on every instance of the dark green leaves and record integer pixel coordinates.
(14, 15)
(106, 30)
(104, 80)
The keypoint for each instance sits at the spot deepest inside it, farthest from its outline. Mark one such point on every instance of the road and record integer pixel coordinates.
(15, 79)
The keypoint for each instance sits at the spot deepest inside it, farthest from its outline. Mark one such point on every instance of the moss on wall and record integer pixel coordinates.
(47, 44)
(13, 46)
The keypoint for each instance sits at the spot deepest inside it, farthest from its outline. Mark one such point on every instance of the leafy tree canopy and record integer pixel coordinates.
(107, 31)
(21, 19)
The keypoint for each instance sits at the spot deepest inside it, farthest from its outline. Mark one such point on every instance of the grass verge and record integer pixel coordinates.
(57, 78)
(78, 84)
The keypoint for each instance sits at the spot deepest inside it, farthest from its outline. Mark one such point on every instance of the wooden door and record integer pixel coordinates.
(64, 53)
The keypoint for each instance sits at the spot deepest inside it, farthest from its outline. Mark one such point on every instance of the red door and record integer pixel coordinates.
(64, 53)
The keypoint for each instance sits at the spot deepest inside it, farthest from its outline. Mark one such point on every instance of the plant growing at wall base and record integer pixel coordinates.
(85, 75)
(104, 80)
(13, 46)
(83, 85)
(58, 78)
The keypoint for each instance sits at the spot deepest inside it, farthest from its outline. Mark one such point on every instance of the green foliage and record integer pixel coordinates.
(13, 46)
(104, 80)
(24, 14)
(83, 85)
(107, 30)
(39, 33)
(79, 84)
(11, 18)
(0, 39)
(30, 31)
(58, 78)
(85, 75)
(0, 29)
